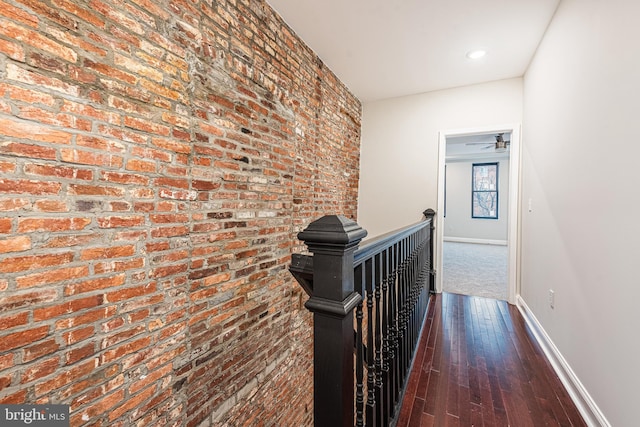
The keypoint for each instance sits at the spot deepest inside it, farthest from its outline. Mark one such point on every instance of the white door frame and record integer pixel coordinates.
(513, 223)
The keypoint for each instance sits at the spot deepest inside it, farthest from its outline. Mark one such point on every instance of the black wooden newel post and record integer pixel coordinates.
(333, 239)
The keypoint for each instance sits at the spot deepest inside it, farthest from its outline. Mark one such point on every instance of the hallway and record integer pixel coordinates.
(477, 365)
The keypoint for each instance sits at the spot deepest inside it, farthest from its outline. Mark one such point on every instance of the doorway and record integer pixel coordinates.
(480, 152)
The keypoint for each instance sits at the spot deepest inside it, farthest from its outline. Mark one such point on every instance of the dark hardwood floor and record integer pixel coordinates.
(477, 364)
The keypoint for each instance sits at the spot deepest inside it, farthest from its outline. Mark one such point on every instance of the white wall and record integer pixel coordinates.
(580, 170)
(399, 154)
(458, 223)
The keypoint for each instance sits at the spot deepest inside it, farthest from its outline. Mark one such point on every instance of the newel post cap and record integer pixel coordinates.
(429, 213)
(332, 231)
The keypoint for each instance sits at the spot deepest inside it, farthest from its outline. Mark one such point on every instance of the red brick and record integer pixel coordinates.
(14, 399)
(121, 221)
(35, 39)
(69, 241)
(15, 244)
(40, 370)
(81, 75)
(50, 206)
(19, 74)
(95, 190)
(81, 43)
(94, 284)
(117, 338)
(5, 382)
(108, 252)
(78, 354)
(65, 377)
(81, 12)
(141, 165)
(49, 13)
(169, 218)
(27, 150)
(131, 403)
(58, 171)
(128, 293)
(39, 350)
(164, 91)
(128, 348)
(46, 62)
(6, 361)
(22, 299)
(22, 338)
(67, 307)
(85, 317)
(32, 262)
(77, 335)
(7, 166)
(146, 126)
(169, 231)
(5, 225)
(12, 50)
(29, 225)
(110, 71)
(119, 266)
(125, 178)
(137, 68)
(17, 14)
(23, 186)
(171, 182)
(52, 276)
(152, 154)
(11, 321)
(102, 406)
(90, 158)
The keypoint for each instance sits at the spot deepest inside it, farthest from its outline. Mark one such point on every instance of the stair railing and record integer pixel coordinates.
(367, 301)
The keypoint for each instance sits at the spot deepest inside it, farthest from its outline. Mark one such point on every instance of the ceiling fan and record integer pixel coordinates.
(500, 145)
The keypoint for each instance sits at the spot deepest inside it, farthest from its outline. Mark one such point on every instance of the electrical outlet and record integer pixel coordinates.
(552, 302)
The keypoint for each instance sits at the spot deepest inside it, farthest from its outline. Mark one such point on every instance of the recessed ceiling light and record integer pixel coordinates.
(476, 54)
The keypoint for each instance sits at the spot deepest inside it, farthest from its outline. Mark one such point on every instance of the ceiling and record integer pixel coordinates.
(383, 49)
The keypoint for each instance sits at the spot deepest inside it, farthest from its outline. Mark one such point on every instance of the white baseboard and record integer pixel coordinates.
(478, 241)
(583, 401)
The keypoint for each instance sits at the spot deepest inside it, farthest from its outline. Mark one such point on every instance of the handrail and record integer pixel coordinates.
(377, 244)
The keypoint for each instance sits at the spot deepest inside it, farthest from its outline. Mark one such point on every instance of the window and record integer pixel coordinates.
(484, 190)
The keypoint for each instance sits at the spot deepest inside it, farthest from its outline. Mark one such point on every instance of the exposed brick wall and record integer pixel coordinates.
(157, 159)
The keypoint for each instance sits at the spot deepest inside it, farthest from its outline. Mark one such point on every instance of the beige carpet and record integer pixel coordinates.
(475, 269)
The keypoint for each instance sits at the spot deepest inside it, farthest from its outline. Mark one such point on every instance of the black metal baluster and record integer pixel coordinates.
(412, 296)
(371, 398)
(359, 277)
(378, 342)
(406, 309)
(416, 293)
(401, 309)
(393, 332)
(386, 371)
(396, 317)
(412, 299)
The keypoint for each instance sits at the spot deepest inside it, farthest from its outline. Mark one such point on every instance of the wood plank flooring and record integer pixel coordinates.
(477, 364)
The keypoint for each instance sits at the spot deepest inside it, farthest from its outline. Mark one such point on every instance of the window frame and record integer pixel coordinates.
(474, 191)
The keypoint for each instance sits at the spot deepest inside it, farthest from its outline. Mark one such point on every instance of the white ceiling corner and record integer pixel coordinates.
(383, 49)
